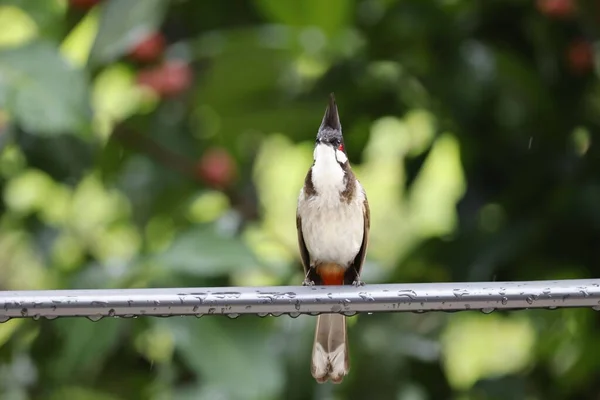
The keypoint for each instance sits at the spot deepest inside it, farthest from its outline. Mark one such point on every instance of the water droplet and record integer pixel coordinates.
(156, 303)
(51, 317)
(504, 300)
(336, 308)
(467, 306)
(24, 312)
(195, 308)
(346, 303)
(459, 292)
(111, 312)
(370, 313)
(233, 315)
(411, 294)
(297, 305)
(198, 315)
(547, 291)
(277, 314)
(488, 310)
(262, 314)
(53, 308)
(128, 316)
(99, 304)
(419, 311)
(596, 308)
(529, 299)
(36, 317)
(552, 308)
(349, 313)
(4, 318)
(584, 292)
(330, 295)
(366, 296)
(294, 314)
(94, 318)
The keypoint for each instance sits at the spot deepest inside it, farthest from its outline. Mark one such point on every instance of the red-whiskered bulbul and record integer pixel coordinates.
(333, 230)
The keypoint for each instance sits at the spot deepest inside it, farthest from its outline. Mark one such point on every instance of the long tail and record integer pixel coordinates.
(330, 349)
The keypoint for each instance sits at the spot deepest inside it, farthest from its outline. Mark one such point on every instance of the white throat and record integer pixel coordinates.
(327, 173)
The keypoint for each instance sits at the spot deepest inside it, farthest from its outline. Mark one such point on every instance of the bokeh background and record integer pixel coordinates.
(163, 143)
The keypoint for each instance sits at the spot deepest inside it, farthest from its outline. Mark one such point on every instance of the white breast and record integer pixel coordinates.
(332, 228)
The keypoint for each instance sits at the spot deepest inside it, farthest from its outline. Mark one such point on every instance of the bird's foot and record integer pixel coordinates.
(308, 282)
(358, 283)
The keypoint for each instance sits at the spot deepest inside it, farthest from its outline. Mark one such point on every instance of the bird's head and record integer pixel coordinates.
(330, 142)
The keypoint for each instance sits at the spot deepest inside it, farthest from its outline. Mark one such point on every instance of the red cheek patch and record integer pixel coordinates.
(341, 148)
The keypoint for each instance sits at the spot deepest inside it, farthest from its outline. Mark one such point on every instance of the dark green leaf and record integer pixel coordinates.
(42, 91)
(204, 252)
(123, 24)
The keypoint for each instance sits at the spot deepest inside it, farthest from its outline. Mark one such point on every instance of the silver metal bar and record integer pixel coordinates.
(296, 300)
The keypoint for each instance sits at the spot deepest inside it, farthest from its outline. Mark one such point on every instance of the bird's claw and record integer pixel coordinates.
(308, 282)
(358, 283)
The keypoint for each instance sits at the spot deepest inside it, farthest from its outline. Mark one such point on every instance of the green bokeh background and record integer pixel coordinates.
(465, 121)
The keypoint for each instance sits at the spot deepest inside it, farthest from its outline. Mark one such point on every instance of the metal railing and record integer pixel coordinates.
(296, 300)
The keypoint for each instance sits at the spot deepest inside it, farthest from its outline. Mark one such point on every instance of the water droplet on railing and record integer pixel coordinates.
(94, 318)
(411, 294)
(111, 312)
(198, 315)
(51, 317)
(212, 310)
(336, 308)
(24, 312)
(349, 313)
(4, 318)
(294, 314)
(36, 317)
(552, 307)
(596, 308)
(297, 305)
(529, 300)
(262, 314)
(330, 295)
(233, 315)
(504, 300)
(366, 296)
(488, 310)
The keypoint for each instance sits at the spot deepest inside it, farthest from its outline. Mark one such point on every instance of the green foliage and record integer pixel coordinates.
(472, 126)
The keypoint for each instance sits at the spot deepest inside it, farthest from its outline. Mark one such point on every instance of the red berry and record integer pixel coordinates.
(217, 168)
(84, 4)
(176, 76)
(149, 48)
(168, 79)
(580, 56)
(559, 9)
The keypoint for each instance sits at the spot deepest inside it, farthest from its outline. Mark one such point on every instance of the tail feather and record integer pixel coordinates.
(330, 349)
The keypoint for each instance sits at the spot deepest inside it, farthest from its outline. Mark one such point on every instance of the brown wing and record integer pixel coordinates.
(303, 250)
(353, 273)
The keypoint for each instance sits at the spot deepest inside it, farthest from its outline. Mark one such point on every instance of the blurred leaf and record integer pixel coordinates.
(17, 26)
(233, 363)
(7, 329)
(485, 346)
(82, 393)
(45, 94)
(330, 16)
(85, 346)
(202, 251)
(437, 189)
(48, 15)
(123, 25)
(77, 45)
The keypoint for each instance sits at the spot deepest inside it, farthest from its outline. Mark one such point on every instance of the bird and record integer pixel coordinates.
(333, 222)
